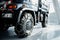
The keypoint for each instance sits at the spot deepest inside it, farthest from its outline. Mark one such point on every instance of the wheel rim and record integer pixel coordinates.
(27, 22)
(46, 20)
(41, 17)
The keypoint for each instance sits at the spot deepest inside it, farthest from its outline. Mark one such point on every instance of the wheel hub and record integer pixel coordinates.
(28, 25)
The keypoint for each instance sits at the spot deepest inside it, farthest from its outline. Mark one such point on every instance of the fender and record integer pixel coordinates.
(26, 9)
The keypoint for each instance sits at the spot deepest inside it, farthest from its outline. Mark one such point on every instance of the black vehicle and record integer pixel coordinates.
(23, 14)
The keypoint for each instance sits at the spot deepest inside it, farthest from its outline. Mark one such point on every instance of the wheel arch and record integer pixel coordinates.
(29, 11)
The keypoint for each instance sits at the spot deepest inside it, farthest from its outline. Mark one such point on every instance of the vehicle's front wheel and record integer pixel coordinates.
(45, 21)
(25, 25)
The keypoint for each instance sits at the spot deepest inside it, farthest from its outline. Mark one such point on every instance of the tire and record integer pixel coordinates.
(25, 26)
(45, 21)
(3, 28)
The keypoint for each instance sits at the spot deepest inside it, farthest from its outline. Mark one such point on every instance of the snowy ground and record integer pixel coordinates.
(51, 32)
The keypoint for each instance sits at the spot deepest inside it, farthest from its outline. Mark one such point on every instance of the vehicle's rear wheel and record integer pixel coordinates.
(25, 25)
